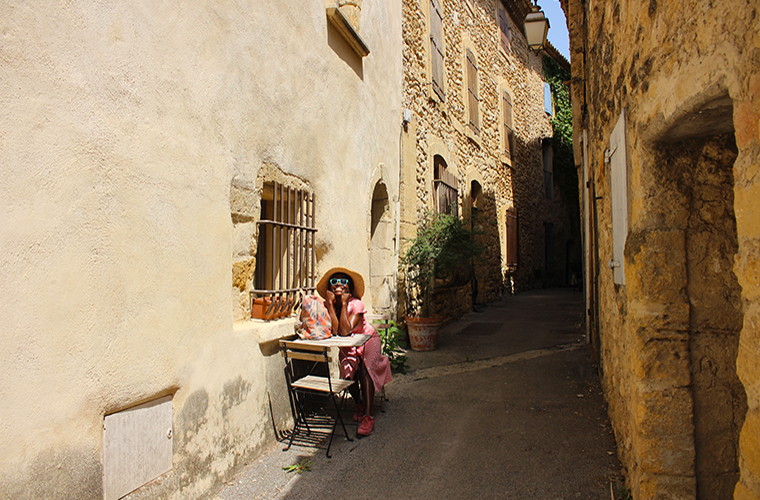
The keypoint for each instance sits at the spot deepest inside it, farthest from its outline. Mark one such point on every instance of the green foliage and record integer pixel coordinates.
(392, 339)
(299, 467)
(443, 243)
(562, 121)
(562, 143)
(624, 493)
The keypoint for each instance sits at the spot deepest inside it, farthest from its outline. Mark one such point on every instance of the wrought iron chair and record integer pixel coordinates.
(304, 389)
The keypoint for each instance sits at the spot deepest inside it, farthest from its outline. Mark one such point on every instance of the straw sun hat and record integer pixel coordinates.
(355, 277)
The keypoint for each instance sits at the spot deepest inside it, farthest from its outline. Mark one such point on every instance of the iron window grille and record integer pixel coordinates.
(285, 255)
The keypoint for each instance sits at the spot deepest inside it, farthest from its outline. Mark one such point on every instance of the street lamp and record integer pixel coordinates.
(536, 28)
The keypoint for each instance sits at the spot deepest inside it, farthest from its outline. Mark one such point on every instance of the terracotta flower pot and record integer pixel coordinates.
(423, 332)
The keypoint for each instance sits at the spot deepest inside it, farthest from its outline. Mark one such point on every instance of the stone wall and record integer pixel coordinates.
(441, 128)
(678, 343)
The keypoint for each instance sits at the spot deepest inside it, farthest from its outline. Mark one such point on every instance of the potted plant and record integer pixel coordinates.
(443, 247)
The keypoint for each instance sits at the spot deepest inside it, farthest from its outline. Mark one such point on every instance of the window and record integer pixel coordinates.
(472, 91)
(548, 160)
(511, 246)
(508, 135)
(445, 187)
(436, 48)
(285, 253)
(504, 34)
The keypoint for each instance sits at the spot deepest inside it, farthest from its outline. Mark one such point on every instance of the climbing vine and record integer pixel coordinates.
(565, 173)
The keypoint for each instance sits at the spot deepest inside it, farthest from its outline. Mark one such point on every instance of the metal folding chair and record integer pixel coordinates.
(303, 388)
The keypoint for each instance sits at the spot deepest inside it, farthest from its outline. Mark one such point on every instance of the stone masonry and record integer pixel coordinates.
(440, 127)
(679, 340)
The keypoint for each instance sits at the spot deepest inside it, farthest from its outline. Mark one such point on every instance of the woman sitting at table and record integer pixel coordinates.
(342, 290)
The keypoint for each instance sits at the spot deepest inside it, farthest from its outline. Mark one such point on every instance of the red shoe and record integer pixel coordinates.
(359, 412)
(367, 426)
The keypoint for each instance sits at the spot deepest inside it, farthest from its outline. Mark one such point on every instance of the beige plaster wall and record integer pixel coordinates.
(682, 71)
(124, 124)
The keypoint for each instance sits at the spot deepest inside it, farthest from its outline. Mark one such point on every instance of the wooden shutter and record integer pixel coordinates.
(511, 257)
(472, 90)
(619, 173)
(508, 134)
(436, 47)
(506, 45)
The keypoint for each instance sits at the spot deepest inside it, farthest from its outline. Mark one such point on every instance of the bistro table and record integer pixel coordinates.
(355, 340)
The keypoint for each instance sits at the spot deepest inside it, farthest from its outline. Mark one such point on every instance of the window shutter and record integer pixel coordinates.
(619, 172)
(506, 45)
(508, 134)
(472, 90)
(445, 187)
(436, 47)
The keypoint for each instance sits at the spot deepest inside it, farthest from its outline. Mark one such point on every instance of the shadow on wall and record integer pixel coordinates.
(341, 48)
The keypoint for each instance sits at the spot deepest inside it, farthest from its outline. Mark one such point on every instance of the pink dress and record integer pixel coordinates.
(378, 366)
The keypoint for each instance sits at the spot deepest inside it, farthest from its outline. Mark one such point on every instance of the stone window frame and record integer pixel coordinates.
(471, 90)
(247, 197)
(430, 49)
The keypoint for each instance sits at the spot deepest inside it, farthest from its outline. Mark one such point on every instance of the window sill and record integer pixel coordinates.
(266, 331)
(506, 160)
(471, 134)
(346, 29)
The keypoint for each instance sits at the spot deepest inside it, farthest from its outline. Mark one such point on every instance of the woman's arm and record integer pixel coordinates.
(347, 321)
(334, 320)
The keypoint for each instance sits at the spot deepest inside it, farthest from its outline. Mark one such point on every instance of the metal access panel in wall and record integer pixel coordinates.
(616, 155)
(137, 447)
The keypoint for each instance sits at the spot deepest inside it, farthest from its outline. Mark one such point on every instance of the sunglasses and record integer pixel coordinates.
(339, 281)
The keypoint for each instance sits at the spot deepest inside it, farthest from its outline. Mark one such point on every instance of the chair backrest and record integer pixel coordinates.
(379, 321)
(318, 355)
(307, 352)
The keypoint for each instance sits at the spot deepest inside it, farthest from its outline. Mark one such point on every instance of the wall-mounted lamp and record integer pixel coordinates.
(536, 28)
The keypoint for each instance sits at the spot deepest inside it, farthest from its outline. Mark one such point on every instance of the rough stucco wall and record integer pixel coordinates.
(680, 70)
(440, 129)
(123, 127)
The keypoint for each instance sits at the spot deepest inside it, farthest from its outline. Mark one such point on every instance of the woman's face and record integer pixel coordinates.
(340, 283)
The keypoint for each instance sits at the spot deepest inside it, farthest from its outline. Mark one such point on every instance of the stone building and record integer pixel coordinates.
(477, 141)
(666, 99)
(161, 165)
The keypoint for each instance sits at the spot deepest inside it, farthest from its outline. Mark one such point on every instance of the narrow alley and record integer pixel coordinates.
(508, 406)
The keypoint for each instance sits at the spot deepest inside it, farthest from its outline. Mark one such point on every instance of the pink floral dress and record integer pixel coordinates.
(378, 366)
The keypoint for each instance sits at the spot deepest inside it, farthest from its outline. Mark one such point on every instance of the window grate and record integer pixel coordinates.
(286, 255)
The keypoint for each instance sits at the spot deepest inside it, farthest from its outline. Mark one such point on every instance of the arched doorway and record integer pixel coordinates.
(691, 226)
(382, 261)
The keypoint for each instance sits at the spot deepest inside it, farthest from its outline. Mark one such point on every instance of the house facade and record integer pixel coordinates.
(162, 168)
(666, 102)
(477, 143)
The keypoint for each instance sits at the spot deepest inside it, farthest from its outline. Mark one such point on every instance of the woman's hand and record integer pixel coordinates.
(345, 297)
(330, 298)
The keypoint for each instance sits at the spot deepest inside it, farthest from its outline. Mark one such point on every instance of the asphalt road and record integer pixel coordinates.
(509, 406)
